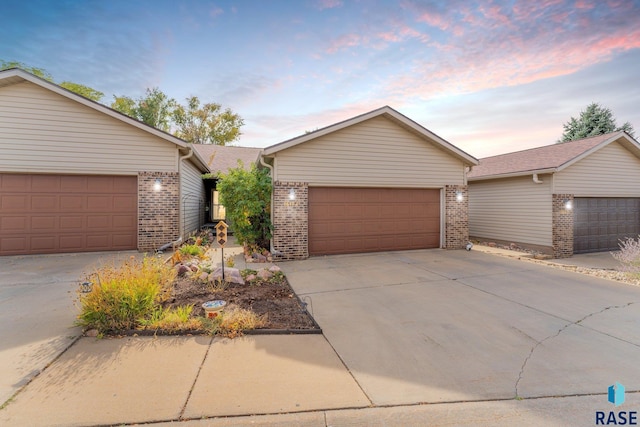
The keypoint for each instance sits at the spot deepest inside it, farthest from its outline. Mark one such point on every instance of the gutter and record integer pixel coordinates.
(180, 239)
(268, 166)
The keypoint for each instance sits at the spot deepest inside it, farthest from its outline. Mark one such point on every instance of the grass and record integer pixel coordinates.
(234, 321)
(173, 319)
(123, 296)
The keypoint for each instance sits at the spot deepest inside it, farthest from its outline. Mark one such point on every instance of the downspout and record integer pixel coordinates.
(268, 166)
(536, 180)
(179, 240)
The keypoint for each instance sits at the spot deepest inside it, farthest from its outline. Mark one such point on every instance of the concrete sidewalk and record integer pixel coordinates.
(256, 380)
(151, 379)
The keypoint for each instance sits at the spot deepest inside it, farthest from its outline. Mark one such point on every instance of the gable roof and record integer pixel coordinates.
(13, 76)
(220, 158)
(387, 112)
(548, 159)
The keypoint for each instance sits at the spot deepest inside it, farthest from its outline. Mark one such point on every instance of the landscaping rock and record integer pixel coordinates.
(250, 278)
(265, 274)
(91, 333)
(231, 275)
(182, 269)
(492, 244)
(203, 276)
(274, 269)
(259, 257)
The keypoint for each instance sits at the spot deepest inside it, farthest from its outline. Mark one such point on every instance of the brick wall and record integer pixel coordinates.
(158, 211)
(562, 226)
(291, 220)
(456, 226)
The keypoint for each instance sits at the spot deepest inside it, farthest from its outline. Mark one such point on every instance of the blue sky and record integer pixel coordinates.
(488, 76)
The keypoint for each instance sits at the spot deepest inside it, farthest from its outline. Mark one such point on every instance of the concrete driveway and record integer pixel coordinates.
(449, 326)
(37, 311)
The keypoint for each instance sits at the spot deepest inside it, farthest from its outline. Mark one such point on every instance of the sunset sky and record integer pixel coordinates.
(488, 76)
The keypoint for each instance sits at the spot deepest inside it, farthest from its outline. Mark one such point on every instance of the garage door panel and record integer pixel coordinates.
(13, 244)
(67, 213)
(14, 203)
(98, 241)
(43, 243)
(600, 223)
(71, 203)
(45, 183)
(73, 184)
(44, 223)
(72, 243)
(370, 219)
(14, 182)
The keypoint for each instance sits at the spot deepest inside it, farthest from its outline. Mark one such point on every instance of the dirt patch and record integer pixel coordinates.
(274, 298)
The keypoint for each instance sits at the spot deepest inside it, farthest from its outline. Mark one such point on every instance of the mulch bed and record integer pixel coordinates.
(275, 299)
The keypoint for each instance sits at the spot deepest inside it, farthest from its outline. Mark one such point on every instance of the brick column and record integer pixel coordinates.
(158, 211)
(562, 226)
(291, 219)
(456, 211)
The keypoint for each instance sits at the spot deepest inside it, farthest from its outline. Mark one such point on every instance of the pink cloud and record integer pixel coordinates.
(343, 42)
(328, 4)
(499, 47)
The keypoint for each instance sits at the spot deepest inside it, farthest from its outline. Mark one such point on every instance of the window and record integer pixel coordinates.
(217, 210)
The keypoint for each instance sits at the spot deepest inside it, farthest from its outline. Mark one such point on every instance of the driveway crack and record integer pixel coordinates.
(577, 322)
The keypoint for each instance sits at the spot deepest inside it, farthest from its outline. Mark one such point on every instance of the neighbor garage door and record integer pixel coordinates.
(67, 213)
(600, 223)
(351, 220)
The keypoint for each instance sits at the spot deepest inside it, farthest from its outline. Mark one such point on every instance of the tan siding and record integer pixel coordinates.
(609, 172)
(192, 198)
(515, 210)
(373, 153)
(41, 131)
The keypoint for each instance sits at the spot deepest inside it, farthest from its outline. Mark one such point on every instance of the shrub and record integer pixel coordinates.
(193, 250)
(246, 195)
(629, 255)
(123, 296)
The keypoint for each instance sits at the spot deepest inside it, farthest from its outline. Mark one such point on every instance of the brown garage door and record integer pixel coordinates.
(351, 220)
(600, 223)
(67, 213)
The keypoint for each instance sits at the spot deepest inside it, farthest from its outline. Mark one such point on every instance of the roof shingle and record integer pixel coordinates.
(221, 158)
(537, 159)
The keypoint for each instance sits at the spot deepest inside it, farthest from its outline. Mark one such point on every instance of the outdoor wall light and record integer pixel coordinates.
(459, 196)
(568, 205)
(292, 194)
(157, 186)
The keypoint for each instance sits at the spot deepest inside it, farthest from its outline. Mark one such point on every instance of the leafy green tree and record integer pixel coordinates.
(206, 123)
(155, 108)
(246, 196)
(594, 120)
(86, 91)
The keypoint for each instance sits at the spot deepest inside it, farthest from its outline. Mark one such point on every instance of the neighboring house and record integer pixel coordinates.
(220, 159)
(572, 197)
(78, 176)
(375, 182)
